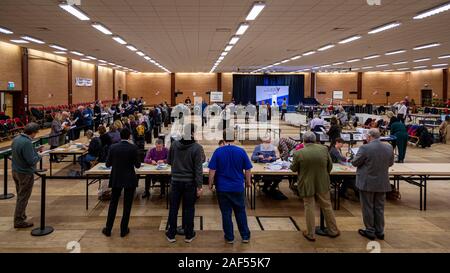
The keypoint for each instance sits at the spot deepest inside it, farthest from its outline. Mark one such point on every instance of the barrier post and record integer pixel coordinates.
(42, 230)
(322, 230)
(5, 194)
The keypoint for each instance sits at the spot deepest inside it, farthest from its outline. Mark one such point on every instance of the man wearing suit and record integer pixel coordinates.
(123, 158)
(372, 179)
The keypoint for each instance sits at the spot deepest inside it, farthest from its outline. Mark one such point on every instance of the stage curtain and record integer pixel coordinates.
(244, 86)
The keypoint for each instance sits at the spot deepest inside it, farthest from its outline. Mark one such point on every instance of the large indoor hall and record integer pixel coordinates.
(224, 126)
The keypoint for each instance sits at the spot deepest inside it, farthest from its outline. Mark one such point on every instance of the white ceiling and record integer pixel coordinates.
(189, 35)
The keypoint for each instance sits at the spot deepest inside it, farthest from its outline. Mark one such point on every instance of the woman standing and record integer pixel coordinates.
(56, 130)
(398, 130)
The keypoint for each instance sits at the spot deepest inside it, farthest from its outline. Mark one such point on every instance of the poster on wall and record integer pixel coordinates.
(83, 81)
(338, 95)
(216, 96)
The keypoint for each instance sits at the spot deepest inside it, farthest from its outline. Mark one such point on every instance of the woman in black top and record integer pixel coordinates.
(335, 130)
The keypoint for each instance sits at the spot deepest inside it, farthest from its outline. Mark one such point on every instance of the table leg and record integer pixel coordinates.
(254, 195)
(74, 159)
(51, 165)
(5, 194)
(421, 193)
(424, 193)
(87, 193)
(321, 230)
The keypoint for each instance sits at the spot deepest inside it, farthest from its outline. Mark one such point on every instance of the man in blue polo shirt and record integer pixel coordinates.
(229, 167)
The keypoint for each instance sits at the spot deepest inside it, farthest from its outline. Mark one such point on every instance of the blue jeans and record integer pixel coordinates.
(229, 202)
(186, 191)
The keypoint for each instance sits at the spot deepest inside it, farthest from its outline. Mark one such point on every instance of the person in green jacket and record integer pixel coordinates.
(398, 130)
(313, 165)
(24, 158)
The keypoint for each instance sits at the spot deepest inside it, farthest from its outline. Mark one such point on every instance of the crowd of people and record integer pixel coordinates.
(126, 127)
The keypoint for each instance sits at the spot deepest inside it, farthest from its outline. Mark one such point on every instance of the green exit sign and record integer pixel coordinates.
(11, 85)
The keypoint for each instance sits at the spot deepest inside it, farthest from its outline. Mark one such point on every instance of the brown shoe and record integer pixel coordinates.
(334, 235)
(311, 239)
(23, 225)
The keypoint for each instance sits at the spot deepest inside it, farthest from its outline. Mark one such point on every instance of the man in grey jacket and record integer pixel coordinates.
(372, 179)
(186, 159)
(24, 159)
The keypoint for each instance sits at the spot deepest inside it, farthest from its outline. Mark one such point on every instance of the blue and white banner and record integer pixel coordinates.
(266, 93)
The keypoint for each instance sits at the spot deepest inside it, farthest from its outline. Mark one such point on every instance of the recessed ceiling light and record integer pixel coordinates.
(371, 57)
(74, 11)
(326, 47)
(112, 64)
(309, 53)
(400, 63)
(432, 11)
(353, 60)
(34, 40)
(403, 69)
(19, 41)
(385, 27)
(350, 39)
(59, 52)
(147, 58)
(426, 46)
(77, 53)
(325, 66)
(296, 58)
(275, 64)
(444, 57)
(5, 30)
(338, 63)
(221, 58)
(228, 48)
(132, 48)
(101, 64)
(101, 28)
(395, 52)
(388, 70)
(422, 60)
(439, 65)
(255, 11)
(224, 54)
(85, 59)
(91, 58)
(242, 28)
(119, 40)
(60, 48)
(234, 40)
(140, 53)
(102, 61)
(284, 61)
(420, 67)
(367, 67)
(356, 69)
(382, 65)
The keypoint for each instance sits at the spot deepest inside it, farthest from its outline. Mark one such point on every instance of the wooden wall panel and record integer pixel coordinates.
(154, 87)
(83, 93)
(105, 83)
(10, 66)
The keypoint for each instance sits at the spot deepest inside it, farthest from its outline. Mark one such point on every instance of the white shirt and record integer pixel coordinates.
(402, 109)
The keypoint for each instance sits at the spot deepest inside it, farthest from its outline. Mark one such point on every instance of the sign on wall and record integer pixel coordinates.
(338, 95)
(83, 81)
(11, 86)
(216, 96)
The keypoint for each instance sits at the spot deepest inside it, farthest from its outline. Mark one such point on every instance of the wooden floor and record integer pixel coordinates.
(274, 224)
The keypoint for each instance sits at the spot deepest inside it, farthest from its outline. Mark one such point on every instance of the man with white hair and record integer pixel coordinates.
(313, 165)
(372, 179)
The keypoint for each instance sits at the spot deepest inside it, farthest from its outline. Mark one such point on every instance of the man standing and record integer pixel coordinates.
(227, 165)
(24, 159)
(123, 158)
(372, 179)
(313, 165)
(185, 158)
(283, 108)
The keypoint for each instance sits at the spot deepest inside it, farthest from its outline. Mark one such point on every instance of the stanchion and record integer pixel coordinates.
(322, 230)
(5, 194)
(42, 230)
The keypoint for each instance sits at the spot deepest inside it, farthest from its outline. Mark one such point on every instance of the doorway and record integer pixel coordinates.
(6, 103)
(427, 97)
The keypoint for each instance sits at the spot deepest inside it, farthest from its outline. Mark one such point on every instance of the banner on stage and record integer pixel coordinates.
(267, 94)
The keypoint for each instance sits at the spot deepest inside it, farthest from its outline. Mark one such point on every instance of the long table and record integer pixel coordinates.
(74, 149)
(417, 174)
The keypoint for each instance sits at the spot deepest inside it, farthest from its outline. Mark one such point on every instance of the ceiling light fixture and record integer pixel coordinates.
(59, 52)
(427, 46)
(350, 39)
(326, 47)
(400, 63)
(242, 28)
(296, 58)
(77, 53)
(140, 53)
(74, 11)
(338, 63)
(34, 40)
(371, 57)
(353, 60)
(309, 53)
(234, 40)
(60, 48)
(5, 30)
(422, 60)
(432, 11)
(420, 67)
(255, 11)
(132, 48)
(395, 52)
(119, 40)
(91, 58)
(228, 48)
(382, 65)
(101, 28)
(19, 41)
(439, 65)
(385, 27)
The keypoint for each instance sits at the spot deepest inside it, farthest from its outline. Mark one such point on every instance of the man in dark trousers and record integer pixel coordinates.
(123, 158)
(185, 158)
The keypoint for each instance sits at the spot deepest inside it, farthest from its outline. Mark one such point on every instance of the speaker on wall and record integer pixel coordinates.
(388, 94)
(124, 97)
